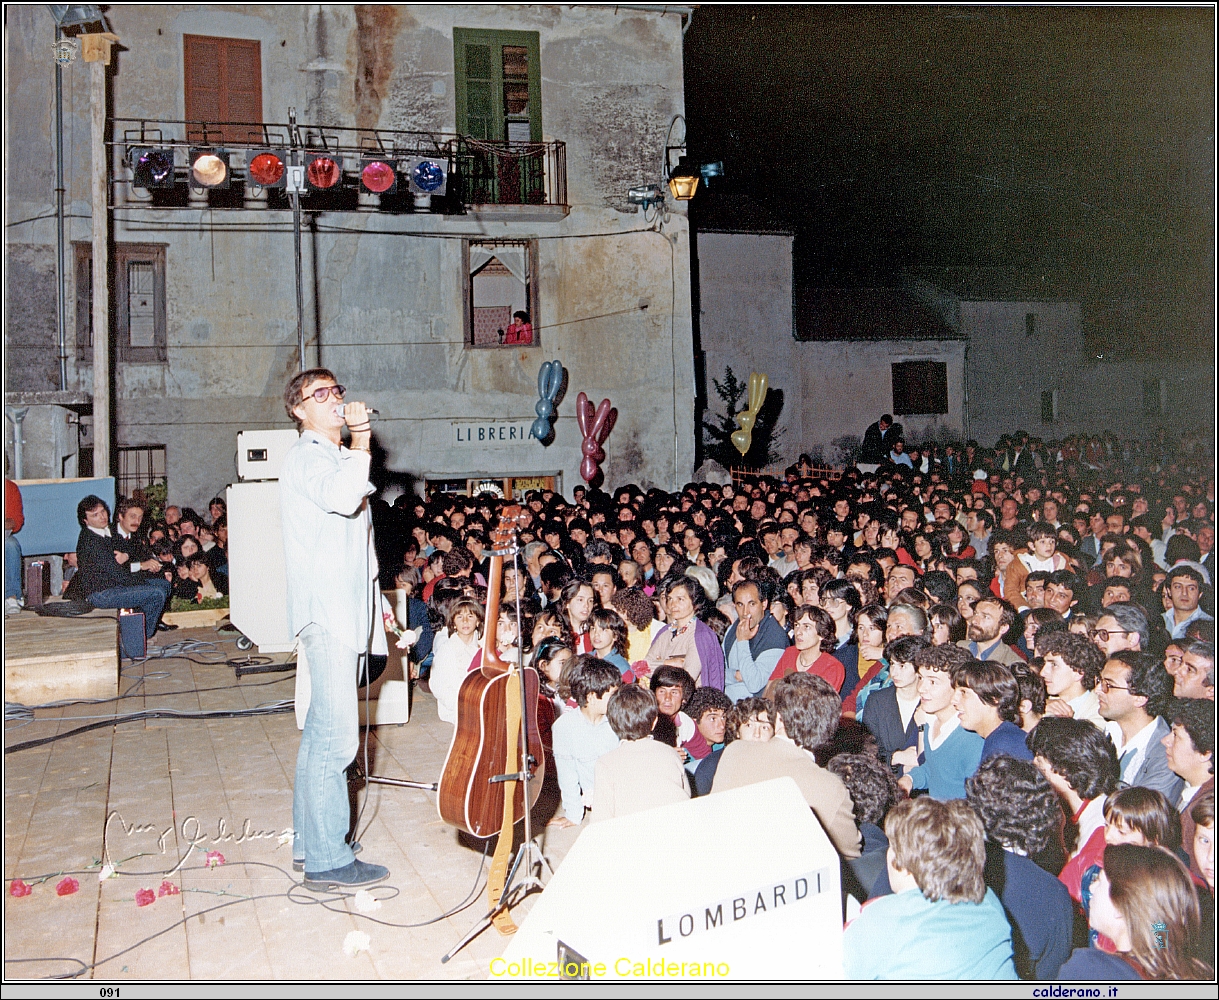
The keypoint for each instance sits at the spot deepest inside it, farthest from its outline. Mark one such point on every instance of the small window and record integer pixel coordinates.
(83, 259)
(1154, 397)
(920, 387)
(1049, 406)
(138, 307)
(501, 293)
(1030, 324)
(139, 468)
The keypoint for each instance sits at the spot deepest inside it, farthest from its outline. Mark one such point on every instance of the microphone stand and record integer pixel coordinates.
(529, 853)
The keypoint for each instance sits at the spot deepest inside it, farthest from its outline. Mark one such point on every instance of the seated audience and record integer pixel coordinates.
(638, 773)
(583, 737)
(941, 921)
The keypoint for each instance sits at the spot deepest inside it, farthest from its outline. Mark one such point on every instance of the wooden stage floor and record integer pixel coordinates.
(153, 797)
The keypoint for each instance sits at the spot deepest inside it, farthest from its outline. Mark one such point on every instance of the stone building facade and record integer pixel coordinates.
(204, 325)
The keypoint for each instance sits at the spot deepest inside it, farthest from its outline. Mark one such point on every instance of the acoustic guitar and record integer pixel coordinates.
(487, 740)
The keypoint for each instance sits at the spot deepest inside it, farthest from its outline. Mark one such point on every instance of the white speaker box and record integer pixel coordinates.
(741, 884)
(258, 584)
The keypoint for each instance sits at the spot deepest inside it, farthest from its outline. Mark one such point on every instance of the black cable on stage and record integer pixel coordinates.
(160, 713)
(292, 894)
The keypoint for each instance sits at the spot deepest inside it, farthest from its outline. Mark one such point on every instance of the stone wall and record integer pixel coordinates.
(384, 294)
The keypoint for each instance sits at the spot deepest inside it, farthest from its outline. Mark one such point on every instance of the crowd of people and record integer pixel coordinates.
(991, 677)
(130, 561)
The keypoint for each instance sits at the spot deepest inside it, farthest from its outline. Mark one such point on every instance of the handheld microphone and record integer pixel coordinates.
(342, 410)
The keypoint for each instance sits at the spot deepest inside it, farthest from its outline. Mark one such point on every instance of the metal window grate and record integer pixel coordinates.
(140, 467)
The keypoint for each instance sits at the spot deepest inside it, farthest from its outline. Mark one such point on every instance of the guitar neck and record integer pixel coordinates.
(491, 662)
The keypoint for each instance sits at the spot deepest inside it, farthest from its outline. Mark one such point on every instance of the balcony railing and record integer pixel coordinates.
(512, 173)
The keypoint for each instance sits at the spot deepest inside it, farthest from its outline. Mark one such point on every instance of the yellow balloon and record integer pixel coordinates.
(741, 440)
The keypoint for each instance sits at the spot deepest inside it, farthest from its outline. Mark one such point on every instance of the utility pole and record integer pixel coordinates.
(95, 49)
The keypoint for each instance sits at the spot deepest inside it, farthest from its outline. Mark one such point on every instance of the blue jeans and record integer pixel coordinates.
(148, 597)
(12, 566)
(321, 810)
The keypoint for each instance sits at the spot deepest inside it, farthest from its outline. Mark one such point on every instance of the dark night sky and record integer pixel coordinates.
(1073, 144)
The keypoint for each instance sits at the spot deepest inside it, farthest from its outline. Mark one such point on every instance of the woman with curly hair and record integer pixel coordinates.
(1145, 902)
(1020, 811)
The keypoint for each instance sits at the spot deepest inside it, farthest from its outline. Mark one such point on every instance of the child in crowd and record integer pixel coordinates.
(452, 660)
(987, 699)
(582, 737)
(638, 773)
(608, 634)
(673, 688)
(891, 714)
(948, 753)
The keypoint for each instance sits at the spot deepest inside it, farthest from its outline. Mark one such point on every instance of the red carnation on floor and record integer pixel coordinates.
(144, 896)
(214, 858)
(19, 888)
(67, 885)
(168, 889)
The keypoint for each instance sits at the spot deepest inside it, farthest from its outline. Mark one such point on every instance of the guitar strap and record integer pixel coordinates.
(498, 875)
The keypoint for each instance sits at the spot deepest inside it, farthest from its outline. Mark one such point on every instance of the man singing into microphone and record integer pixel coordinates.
(332, 571)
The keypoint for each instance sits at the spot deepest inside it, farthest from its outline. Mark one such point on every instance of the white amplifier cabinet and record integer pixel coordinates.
(258, 586)
(260, 454)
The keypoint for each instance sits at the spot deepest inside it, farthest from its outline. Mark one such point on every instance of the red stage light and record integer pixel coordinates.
(323, 172)
(378, 176)
(266, 169)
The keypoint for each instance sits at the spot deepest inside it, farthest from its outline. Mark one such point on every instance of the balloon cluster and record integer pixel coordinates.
(595, 426)
(550, 381)
(743, 439)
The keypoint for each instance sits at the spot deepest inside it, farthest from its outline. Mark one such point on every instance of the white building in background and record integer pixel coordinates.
(405, 306)
(951, 354)
(841, 357)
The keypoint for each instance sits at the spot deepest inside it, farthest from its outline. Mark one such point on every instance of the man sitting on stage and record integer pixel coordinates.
(331, 572)
(105, 577)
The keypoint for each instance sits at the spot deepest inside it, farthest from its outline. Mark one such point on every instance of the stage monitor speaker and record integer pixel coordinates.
(260, 454)
(258, 583)
(738, 885)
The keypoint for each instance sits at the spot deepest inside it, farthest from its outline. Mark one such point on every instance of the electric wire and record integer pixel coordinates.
(293, 894)
(274, 708)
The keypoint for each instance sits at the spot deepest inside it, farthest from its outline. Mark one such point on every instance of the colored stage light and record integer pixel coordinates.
(153, 168)
(323, 172)
(267, 169)
(209, 168)
(379, 176)
(428, 177)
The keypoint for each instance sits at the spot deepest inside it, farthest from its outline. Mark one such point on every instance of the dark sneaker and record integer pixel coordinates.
(356, 875)
(298, 864)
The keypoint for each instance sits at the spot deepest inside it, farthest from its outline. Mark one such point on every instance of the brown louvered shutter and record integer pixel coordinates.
(223, 83)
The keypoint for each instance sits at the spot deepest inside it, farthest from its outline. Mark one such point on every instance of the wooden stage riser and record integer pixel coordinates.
(56, 659)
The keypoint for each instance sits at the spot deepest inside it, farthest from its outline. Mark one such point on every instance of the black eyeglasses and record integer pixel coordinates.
(320, 395)
(1107, 685)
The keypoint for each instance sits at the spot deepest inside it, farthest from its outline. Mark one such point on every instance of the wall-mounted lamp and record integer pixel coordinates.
(683, 180)
(677, 173)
